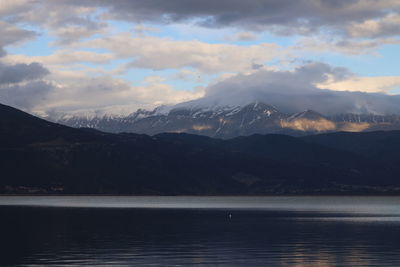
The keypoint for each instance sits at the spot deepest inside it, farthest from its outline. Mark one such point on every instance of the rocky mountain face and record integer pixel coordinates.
(231, 121)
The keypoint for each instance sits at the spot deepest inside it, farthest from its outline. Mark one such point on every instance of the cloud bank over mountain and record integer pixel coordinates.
(298, 90)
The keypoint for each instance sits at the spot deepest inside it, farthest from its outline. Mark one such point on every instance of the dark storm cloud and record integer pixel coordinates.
(21, 85)
(281, 16)
(295, 91)
(25, 96)
(21, 72)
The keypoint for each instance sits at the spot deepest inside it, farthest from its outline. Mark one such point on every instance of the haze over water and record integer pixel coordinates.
(222, 231)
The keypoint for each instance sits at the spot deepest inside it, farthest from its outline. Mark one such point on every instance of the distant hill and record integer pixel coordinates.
(380, 146)
(37, 156)
(231, 121)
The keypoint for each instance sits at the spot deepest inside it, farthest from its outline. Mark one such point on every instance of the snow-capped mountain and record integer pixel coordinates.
(231, 121)
(307, 114)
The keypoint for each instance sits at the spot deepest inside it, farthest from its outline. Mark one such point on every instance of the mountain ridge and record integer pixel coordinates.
(40, 157)
(230, 121)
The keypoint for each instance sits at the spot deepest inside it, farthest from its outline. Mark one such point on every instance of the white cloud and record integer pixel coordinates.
(386, 26)
(364, 84)
(162, 53)
(63, 57)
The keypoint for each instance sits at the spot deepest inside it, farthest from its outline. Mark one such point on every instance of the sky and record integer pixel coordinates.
(113, 57)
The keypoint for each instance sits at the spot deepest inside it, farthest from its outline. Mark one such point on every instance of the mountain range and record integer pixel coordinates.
(232, 121)
(38, 156)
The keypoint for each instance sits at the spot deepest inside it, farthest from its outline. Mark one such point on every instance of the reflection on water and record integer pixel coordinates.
(267, 231)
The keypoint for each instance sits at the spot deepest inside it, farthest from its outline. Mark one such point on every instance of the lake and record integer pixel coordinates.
(203, 231)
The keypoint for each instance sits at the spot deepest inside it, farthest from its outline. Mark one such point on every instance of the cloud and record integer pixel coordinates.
(162, 53)
(383, 27)
(364, 84)
(22, 85)
(77, 93)
(72, 33)
(241, 36)
(295, 91)
(344, 46)
(63, 57)
(25, 96)
(280, 16)
(354, 23)
(69, 23)
(21, 72)
(83, 27)
(11, 34)
(74, 20)
(187, 75)
(15, 6)
(140, 29)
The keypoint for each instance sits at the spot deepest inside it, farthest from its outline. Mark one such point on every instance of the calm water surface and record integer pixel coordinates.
(212, 231)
